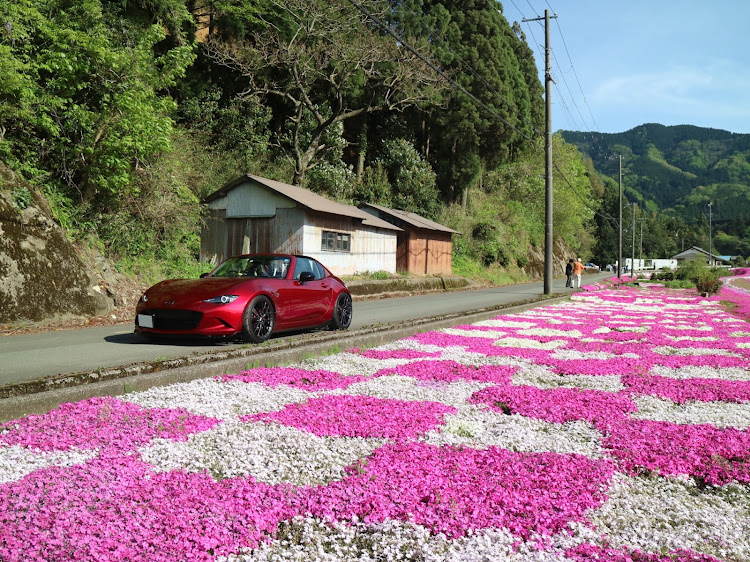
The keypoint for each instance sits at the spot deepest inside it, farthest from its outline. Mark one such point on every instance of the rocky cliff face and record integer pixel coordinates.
(41, 274)
(560, 256)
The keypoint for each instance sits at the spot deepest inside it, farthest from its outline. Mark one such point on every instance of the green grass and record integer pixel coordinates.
(473, 269)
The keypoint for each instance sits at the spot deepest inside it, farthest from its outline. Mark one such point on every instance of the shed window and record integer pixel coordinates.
(335, 241)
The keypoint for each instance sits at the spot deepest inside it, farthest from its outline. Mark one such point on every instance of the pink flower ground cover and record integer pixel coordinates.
(558, 405)
(359, 416)
(712, 455)
(101, 422)
(452, 490)
(681, 391)
(543, 435)
(116, 508)
(451, 371)
(298, 378)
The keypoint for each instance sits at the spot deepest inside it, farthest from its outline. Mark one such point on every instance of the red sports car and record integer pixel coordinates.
(251, 295)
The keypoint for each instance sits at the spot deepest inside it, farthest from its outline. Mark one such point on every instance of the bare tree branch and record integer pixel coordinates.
(331, 65)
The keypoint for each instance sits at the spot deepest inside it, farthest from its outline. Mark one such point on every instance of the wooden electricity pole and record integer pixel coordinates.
(548, 240)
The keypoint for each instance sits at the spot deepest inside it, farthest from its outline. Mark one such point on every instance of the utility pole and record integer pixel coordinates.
(640, 258)
(619, 239)
(632, 247)
(548, 243)
(710, 252)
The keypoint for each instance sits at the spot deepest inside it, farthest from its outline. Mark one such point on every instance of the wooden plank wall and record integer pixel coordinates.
(427, 252)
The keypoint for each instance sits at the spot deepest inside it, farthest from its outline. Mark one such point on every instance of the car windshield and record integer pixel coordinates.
(254, 266)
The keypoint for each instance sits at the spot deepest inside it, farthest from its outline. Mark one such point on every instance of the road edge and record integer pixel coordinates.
(42, 395)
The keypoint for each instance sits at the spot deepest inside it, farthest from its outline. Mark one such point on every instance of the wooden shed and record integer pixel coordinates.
(424, 247)
(255, 214)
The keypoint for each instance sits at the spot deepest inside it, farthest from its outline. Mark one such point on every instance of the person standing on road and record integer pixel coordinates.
(577, 271)
(569, 274)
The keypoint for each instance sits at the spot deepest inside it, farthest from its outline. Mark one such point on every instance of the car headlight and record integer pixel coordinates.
(223, 299)
(144, 297)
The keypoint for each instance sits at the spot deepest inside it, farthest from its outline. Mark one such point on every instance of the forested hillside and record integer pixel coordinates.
(672, 173)
(124, 114)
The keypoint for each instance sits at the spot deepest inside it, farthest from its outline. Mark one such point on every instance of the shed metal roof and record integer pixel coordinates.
(412, 219)
(306, 198)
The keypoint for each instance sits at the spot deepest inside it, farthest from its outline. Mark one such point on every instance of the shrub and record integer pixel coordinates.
(707, 281)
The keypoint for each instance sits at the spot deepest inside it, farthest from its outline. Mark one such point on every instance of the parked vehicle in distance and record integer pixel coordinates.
(591, 266)
(250, 296)
(610, 267)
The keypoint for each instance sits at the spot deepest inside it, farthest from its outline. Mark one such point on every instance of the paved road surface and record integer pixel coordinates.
(28, 357)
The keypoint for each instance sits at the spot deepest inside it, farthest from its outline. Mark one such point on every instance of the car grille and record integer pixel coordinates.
(165, 319)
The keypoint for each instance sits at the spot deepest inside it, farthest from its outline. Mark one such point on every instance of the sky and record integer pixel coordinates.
(620, 64)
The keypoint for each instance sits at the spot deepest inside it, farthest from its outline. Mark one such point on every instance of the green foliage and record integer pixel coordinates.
(675, 172)
(689, 269)
(704, 278)
(21, 197)
(411, 179)
(707, 281)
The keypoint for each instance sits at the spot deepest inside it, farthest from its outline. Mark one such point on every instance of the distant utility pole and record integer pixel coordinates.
(710, 252)
(619, 239)
(632, 247)
(640, 259)
(548, 244)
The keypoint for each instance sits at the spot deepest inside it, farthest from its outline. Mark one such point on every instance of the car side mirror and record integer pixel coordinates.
(204, 275)
(306, 276)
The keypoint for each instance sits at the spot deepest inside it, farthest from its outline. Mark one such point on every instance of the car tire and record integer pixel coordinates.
(258, 320)
(342, 312)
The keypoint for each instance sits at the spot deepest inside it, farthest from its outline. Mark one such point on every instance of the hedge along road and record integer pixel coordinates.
(29, 362)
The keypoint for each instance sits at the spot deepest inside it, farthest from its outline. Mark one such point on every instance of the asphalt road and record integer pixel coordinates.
(29, 357)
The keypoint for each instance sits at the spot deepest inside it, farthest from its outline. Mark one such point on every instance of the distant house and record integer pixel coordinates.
(695, 252)
(424, 247)
(255, 214)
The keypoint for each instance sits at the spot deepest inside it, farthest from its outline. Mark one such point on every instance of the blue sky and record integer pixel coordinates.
(618, 65)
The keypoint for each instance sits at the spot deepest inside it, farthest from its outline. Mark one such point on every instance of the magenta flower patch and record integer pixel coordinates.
(453, 490)
(681, 391)
(114, 508)
(399, 354)
(298, 378)
(558, 405)
(450, 371)
(709, 454)
(101, 422)
(360, 416)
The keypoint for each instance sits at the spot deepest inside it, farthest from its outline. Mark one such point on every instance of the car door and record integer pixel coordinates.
(305, 303)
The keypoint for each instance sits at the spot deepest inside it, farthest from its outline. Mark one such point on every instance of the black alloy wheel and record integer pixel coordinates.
(259, 320)
(342, 312)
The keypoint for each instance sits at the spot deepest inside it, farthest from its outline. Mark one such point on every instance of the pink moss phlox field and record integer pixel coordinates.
(359, 416)
(115, 508)
(453, 490)
(705, 452)
(480, 345)
(101, 422)
(450, 371)
(594, 553)
(398, 354)
(595, 367)
(681, 391)
(298, 378)
(556, 405)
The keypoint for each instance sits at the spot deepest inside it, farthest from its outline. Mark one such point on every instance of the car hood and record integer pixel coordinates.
(182, 290)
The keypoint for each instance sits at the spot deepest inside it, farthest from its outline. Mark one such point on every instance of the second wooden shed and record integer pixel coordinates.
(423, 246)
